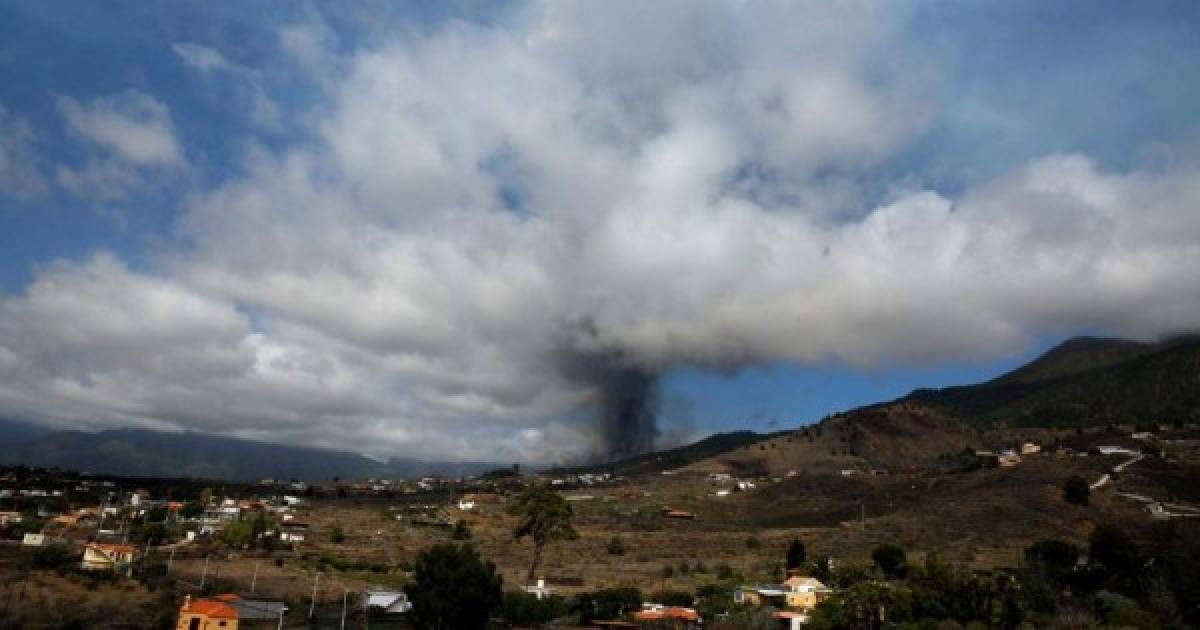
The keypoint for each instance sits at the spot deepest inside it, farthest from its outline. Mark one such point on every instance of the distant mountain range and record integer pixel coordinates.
(146, 453)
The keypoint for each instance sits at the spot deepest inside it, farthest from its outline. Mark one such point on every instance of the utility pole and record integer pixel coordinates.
(345, 592)
(254, 582)
(312, 606)
(204, 574)
(282, 609)
(171, 560)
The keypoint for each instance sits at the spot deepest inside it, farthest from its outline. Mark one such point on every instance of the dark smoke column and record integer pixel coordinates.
(629, 423)
(626, 396)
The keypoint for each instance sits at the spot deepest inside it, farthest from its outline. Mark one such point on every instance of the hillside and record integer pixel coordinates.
(901, 436)
(1085, 382)
(673, 458)
(145, 453)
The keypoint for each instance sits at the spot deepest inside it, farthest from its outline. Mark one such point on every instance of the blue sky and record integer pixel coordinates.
(231, 164)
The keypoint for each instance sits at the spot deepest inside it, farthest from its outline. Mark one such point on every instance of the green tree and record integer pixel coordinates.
(528, 610)
(796, 555)
(191, 509)
(673, 598)
(606, 604)
(544, 516)
(1115, 556)
(453, 588)
(258, 527)
(1052, 560)
(891, 559)
(337, 535)
(238, 535)
(1076, 490)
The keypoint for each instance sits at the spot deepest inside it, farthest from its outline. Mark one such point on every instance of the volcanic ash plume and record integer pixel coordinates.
(628, 420)
(624, 403)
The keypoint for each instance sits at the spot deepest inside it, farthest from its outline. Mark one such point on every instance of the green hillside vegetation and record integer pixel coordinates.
(1086, 382)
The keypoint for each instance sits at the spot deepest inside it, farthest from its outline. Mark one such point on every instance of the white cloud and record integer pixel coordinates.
(482, 210)
(132, 145)
(135, 127)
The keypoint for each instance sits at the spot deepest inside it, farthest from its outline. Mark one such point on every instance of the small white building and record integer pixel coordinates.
(539, 590)
(34, 540)
(388, 602)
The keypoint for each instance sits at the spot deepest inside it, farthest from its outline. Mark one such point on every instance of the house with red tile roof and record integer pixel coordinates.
(207, 614)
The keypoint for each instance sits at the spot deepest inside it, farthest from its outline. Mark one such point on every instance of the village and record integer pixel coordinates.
(295, 553)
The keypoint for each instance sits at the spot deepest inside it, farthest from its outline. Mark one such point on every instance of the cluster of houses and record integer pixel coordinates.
(792, 602)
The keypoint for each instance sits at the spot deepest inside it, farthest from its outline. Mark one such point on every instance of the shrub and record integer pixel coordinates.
(753, 543)
(891, 559)
(56, 556)
(461, 531)
(616, 547)
(1076, 490)
(611, 603)
(673, 598)
(337, 535)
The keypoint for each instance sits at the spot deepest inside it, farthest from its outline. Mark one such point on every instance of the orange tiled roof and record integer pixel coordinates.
(667, 613)
(211, 608)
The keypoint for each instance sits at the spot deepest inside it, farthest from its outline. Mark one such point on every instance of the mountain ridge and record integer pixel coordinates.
(149, 453)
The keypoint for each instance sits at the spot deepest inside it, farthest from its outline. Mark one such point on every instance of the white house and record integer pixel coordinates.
(388, 602)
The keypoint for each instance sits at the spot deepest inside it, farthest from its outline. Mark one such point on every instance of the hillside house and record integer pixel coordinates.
(675, 616)
(206, 614)
(797, 593)
(293, 531)
(108, 557)
(804, 592)
(387, 602)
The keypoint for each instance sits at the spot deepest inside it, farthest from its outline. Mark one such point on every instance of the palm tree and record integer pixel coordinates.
(544, 516)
